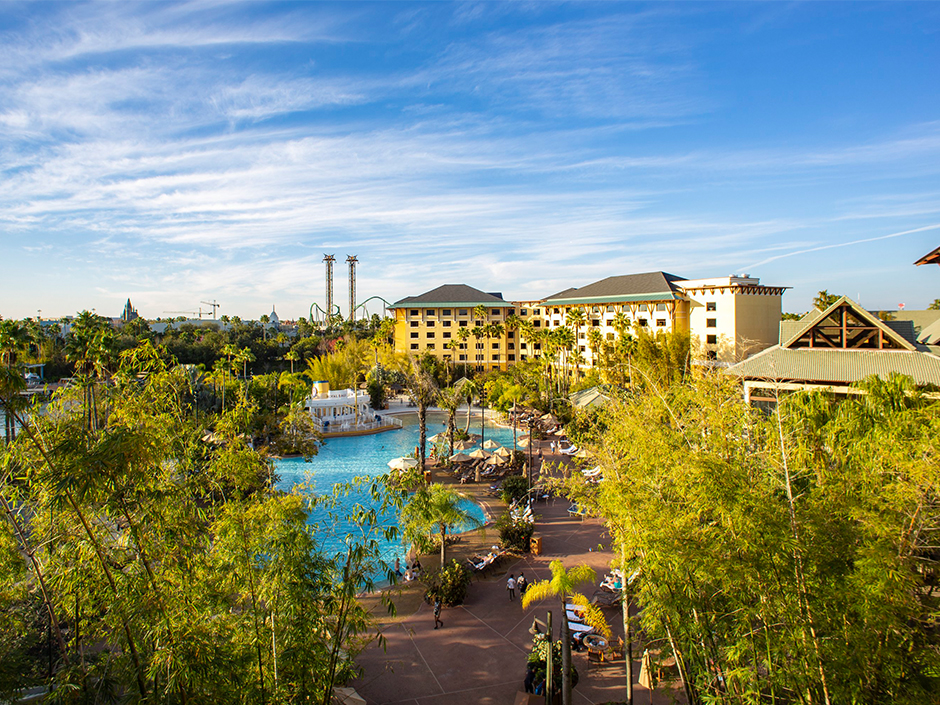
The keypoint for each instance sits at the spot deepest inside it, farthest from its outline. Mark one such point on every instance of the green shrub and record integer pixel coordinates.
(451, 584)
(514, 487)
(514, 534)
(538, 657)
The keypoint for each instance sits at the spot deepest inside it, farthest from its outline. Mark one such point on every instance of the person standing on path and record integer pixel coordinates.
(521, 583)
(437, 612)
(511, 586)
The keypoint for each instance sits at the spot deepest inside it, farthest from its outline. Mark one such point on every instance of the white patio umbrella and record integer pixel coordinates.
(437, 437)
(464, 445)
(460, 458)
(480, 453)
(523, 442)
(496, 460)
(403, 463)
(491, 444)
(502, 452)
(581, 453)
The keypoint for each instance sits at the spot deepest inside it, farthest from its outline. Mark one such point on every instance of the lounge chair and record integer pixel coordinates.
(570, 450)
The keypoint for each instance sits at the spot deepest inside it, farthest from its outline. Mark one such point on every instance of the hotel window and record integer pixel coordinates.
(415, 335)
(711, 322)
(595, 322)
(415, 312)
(496, 347)
(463, 346)
(461, 357)
(642, 321)
(581, 348)
(511, 312)
(537, 346)
(661, 323)
(581, 336)
(461, 312)
(512, 346)
(414, 346)
(537, 323)
(431, 334)
(610, 309)
(557, 310)
(522, 312)
(463, 324)
(711, 339)
(430, 311)
(430, 346)
(446, 324)
(524, 346)
(660, 307)
(495, 358)
(512, 358)
(447, 357)
(511, 334)
(595, 309)
(535, 312)
(445, 312)
(711, 355)
(414, 324)
(447, 335)
(479, 346)
(479, 357)
(711, 306)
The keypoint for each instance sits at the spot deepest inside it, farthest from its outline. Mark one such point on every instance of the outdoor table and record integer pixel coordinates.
(595, 643)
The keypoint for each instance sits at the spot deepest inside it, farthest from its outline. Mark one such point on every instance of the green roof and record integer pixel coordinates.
(452, 295)
(649, 286)
(835, 366)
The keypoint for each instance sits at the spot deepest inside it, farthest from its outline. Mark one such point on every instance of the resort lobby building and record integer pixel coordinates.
(728, 318)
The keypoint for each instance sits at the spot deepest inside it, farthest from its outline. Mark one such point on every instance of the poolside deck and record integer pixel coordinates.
(478, 656)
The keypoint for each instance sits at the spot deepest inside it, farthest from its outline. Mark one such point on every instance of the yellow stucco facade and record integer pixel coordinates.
(727, 318)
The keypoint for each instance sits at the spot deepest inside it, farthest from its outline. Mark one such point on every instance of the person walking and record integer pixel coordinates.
(511, 586)
(437, 612)
(522, 584)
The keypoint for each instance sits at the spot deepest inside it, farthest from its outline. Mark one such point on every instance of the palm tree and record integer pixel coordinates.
(462, 335)
(14, 339)
(293, 356)
(450, 399)
(434, 509)
(230, 350)
(561, 585)
(565, 342)
(453, 345)
(423, 392)
(477, 332)
(575, 317)
(265, 319)
(595, 340)
(493, 330)
(90, 348)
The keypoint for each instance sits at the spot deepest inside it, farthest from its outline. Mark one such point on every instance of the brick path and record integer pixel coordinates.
(478, 656)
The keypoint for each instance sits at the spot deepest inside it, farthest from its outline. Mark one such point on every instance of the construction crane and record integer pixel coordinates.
(215, 307)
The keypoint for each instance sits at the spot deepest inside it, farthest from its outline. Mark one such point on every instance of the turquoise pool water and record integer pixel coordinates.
(342, 459)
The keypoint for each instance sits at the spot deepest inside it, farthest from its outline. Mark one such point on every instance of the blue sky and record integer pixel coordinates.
(176, 153)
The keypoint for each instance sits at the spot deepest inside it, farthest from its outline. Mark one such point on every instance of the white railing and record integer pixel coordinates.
(350, 425)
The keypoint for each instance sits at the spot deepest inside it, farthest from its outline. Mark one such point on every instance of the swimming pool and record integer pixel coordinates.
(342, 459)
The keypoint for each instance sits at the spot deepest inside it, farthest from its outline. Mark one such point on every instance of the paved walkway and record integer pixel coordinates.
(479, 655)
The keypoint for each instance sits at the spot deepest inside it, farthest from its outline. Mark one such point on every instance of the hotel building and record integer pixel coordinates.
(728, 318)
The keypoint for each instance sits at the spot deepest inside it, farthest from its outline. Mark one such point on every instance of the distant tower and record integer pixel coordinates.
(351, 259)
(329, 259)
(130, 313)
